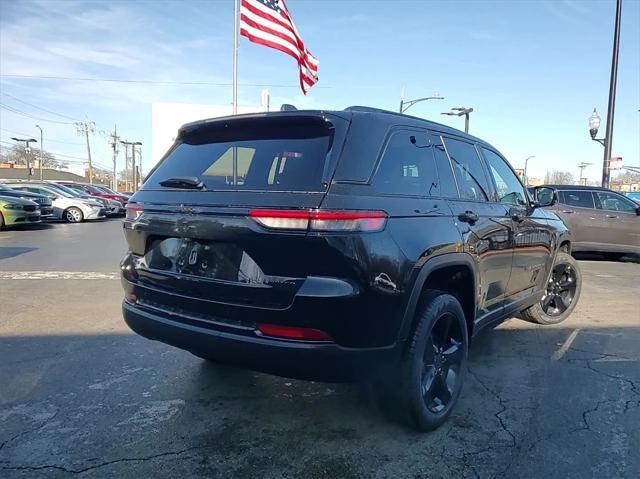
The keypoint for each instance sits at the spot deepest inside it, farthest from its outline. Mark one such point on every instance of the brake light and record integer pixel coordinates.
(133, 211)
(291, 332)
(316, 220)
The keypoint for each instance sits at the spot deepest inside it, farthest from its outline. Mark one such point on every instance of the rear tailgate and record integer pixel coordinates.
(202, 245)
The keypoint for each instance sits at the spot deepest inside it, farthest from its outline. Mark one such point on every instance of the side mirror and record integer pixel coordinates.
(545, 196)
(638, 211)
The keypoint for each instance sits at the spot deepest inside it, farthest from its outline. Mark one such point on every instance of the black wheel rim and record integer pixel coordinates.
(561, 290)
(442, 363)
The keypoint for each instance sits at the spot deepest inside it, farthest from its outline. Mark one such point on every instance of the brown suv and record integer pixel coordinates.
(599, 219)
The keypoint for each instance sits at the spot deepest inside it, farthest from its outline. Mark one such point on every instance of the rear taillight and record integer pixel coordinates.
(133, 211)
(291, 332)
(315, 220)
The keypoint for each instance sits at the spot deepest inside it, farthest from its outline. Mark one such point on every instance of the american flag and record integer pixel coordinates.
(268, 23)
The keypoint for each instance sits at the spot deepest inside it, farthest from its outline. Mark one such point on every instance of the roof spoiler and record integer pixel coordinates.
(288, 107)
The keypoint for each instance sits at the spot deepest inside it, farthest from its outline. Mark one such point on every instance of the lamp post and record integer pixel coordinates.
(459, 112)
(526, 163)
(27, 150)
(405, 105)
(41, 150)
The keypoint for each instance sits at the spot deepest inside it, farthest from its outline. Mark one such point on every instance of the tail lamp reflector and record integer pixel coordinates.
(133, 211)
(315, 220)
(291, 332)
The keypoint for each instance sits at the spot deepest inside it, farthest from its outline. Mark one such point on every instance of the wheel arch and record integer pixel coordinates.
(429, 276)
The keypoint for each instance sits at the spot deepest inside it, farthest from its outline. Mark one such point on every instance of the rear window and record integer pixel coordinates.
(261, 156)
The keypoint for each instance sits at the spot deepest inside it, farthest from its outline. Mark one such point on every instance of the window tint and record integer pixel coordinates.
(508, 186)
(611, 201)
(265, 157)
(472, 182)
(407, 166)
(581, 199)
(448, 187)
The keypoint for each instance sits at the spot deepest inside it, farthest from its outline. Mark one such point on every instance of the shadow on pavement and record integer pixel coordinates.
(121, 406)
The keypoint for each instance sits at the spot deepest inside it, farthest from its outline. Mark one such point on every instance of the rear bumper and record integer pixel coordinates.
(295, 359)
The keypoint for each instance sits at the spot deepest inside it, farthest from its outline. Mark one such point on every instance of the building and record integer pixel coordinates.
(20, 172)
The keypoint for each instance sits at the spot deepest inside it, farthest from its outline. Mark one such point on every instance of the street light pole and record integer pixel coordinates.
(27, 150)
(41, 151)
(405, 105)
(459, 112)
(612, 98)
(526, 163)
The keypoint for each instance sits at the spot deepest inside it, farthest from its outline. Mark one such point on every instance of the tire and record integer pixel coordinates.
(1, 221)
(73, 215)
(427, 382)
(550, 310)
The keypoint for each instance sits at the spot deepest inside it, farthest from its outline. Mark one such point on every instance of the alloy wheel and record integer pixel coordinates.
(442, 362)
(561, 290)
(74, 215)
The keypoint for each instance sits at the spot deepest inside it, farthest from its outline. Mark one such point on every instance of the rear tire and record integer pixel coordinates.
(73, 215)
(561, 297)
(426, 384)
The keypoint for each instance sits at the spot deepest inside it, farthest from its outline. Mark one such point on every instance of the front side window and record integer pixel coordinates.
(470, 176)
(578, 198)
(407, 166)
(509, 188)
(613, 202)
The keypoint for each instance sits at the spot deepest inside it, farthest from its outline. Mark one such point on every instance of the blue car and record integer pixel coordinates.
(634, 195)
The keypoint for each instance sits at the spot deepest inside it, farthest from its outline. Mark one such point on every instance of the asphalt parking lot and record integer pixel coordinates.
(80, 395)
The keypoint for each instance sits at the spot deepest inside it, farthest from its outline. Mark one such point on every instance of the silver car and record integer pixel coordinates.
(66, 206)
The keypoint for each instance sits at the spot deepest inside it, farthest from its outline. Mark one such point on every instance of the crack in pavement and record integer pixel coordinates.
(23, 433)
(585, 414)
(634, 388)
(98, 466)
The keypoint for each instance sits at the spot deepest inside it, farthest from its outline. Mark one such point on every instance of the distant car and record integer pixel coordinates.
(634, 195)
(46, 209)
(66, 206)
(599, 219)
(16, 211)
(93, 190)
(109, 191)
(112, 207)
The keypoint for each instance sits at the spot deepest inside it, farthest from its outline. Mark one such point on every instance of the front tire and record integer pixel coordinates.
(432, 371)
(562, 293)
(73, 215)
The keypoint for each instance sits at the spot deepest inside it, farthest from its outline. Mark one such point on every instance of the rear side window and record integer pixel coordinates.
(407, 166)
(580, 199)
(262, 156)
(614, 202)
(470, 176)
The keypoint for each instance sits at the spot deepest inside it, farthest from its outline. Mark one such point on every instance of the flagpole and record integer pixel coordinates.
(235, 56)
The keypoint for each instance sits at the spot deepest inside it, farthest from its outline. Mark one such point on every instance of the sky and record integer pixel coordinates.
(532, 70)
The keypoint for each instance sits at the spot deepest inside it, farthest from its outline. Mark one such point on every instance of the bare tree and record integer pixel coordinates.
(19, 156)
(559, 178)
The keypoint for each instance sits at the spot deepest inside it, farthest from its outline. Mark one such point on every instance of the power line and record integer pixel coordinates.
(53, 141)
(33, 117)
(39, 107)
(154, 82)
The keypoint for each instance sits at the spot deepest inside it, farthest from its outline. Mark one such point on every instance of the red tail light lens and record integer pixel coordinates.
(133, 211)
(290, 332)
(315, 220)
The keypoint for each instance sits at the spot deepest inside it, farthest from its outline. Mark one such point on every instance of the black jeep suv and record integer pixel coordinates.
(344, 245)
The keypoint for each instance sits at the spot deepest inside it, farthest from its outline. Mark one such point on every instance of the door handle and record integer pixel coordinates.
(567, 211)
(468, 217)
(611, 216)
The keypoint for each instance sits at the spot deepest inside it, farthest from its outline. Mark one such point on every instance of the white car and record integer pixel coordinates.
(65, 206)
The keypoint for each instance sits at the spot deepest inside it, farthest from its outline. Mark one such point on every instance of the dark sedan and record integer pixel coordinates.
(46, 208)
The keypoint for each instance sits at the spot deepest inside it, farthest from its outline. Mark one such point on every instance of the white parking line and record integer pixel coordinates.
(565, 346)
(56, 275)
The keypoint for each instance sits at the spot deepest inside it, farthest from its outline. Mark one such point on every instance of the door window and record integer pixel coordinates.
(614, 202)
(448, 187)
(407, 166)
(578, 198)
(472, 181)
(509, 188)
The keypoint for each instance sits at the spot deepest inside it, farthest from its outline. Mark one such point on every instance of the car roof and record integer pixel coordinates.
(351, 113)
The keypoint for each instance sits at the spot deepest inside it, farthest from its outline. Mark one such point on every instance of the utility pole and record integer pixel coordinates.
(115, 146)
(526, 163)
(27, 150)
(41, 151)
(84, 128)
(133, 144)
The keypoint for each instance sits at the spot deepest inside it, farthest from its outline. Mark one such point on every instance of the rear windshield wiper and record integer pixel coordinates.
(187, 182)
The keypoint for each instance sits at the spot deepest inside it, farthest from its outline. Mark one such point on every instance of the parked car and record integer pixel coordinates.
(111, 192)
(65, 206)
(44, 203)
(350, 245)
(634, 195)
(111, 207)
(599, 219)
(16, 211)
(93, 190)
